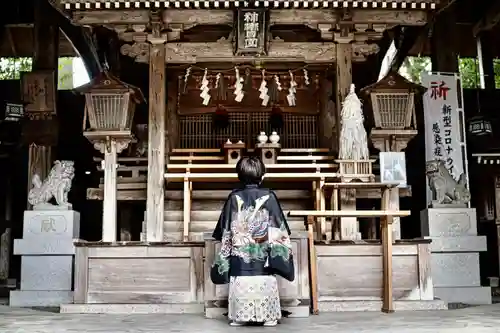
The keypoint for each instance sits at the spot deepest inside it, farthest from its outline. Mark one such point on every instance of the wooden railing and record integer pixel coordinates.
(386, 219)
(301, 165)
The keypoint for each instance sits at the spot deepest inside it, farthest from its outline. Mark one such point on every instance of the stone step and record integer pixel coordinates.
(371, 305)
(223, 194)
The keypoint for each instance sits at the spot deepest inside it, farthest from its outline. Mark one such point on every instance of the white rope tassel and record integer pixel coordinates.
(306, 77)
(205, 91)
(291, 91)
(263, 90)
(238, 86)
(353, 138)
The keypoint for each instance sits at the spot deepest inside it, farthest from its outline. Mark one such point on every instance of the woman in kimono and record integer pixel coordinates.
(254, 238)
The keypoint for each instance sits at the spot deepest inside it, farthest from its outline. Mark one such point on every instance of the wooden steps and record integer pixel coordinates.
(206, 208)
(202, 222)
(216, 205)
(223, 194)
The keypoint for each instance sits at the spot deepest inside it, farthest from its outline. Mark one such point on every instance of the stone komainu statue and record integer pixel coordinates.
(445, 189)
(56, 185)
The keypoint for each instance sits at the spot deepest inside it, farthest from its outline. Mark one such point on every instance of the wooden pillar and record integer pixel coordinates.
(45, 57)
(386, 236)
(485, 57)
(6, 236)
(109, 200)
(443, 43)
(497, 212)
(156, 146)
(391, 144)
(349, 228)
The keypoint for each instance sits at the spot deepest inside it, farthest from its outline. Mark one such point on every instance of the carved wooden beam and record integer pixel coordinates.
(490, 19)
(309, 17)
(222, 51)
(315, 17)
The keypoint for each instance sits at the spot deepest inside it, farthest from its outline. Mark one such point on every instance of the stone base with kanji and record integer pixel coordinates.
(455, 251)
(47, 253)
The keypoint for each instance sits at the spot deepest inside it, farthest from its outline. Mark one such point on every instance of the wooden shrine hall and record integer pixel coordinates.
(224, 79)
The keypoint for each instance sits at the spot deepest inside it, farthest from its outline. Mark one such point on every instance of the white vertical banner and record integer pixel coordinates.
(444, 123)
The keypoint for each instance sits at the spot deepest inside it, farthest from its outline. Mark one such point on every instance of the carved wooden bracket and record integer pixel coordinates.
(391, 140)
(105, 145)
(102, 140)
(222, 50)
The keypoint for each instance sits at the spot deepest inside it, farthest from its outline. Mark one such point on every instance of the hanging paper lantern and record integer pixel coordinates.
(220, 118)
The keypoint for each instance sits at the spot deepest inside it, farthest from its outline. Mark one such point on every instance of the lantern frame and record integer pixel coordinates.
(392, 100)
(483, 125)
(14, 112)
(110, 106)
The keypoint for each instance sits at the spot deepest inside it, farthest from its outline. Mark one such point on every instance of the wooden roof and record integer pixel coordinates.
(472, 18)
(18, 42)
(124, 4)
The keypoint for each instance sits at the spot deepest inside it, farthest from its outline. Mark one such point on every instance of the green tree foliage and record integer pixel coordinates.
(11, 68)
(413, 67)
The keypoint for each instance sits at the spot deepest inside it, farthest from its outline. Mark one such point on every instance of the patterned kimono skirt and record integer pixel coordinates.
(254, 299)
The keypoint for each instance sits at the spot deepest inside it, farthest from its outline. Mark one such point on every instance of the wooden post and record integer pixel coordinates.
(6, 236)
(348, 225)
(443, 43)
(109, 200)
(386, 235)
(485, 57)
(45, 57)
(156, 146)
(313, 265)
(497, 212)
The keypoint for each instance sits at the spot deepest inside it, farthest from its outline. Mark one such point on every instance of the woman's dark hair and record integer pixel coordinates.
(250, 170)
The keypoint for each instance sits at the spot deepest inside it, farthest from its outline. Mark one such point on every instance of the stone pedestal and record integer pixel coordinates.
(455, 251)
(47, 258)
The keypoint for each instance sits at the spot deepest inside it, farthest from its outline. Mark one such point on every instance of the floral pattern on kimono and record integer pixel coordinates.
(253, 235)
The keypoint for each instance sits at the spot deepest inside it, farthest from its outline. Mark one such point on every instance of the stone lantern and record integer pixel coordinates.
(109, 107)
(392, 101)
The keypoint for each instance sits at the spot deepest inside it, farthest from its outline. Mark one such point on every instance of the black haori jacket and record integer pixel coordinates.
(254, 234)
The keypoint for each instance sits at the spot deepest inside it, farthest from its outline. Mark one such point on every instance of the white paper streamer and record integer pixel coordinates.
(306, 77)
(278, 84)
(263, 90)
(238, 86)
(217, 80)
(186, 76)
(291, 91)
(205, 91)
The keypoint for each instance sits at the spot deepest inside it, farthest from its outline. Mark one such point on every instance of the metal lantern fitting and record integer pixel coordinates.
(110, 104)
(480, 126)
(393, 102)
(14, 111)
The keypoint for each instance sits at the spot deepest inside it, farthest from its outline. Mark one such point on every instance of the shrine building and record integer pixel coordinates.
(389, 179)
